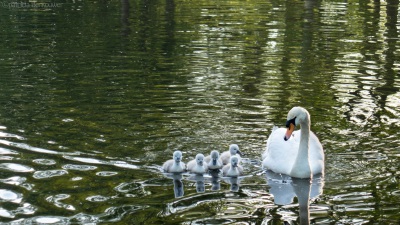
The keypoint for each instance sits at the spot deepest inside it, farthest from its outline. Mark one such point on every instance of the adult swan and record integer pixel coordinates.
(297, 154)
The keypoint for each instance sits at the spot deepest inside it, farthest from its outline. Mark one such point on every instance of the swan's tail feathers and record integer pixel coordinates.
(274, 128)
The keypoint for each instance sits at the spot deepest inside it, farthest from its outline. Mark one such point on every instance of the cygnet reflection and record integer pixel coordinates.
(200, 184)
(178, 184)
(284, 189)
(234, 181)
(215, 180)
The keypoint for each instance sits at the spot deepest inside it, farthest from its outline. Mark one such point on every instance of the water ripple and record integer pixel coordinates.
(14, 180)
(6, 213)
(49, 173)
(16, 167)
(86, 219)
(97, 198)
(56, 200)
(10, 196)
(352, 196)
(49, 220)
(121, 164)
(25, 209)
(47, 162)
(86, 160)
(106, 173)
(7, 135)
(126, 187)
(5, 151)
(117, 213)
(79, 167)
(28, 147)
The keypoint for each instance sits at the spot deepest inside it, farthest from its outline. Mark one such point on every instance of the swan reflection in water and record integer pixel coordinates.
(284, 189)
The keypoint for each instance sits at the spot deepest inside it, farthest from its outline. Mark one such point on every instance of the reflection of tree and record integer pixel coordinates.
(170, 42)
(288, 65)
(389, 74)
(370, 28)
(306, 57)
(366, 61)
(125, 17)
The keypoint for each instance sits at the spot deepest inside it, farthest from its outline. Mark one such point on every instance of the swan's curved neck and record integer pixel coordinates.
(305, 138)
(301, 167)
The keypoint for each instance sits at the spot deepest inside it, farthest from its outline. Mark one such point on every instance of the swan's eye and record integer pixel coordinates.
(291, 121)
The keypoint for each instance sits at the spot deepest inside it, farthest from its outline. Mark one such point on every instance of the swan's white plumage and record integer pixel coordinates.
(233, 151)
(280, 155)
(197, 165)
(175, 165)
(213, 160)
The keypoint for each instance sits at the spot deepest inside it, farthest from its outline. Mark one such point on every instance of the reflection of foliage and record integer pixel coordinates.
(147, 216)
(261, 212)
(213, 207)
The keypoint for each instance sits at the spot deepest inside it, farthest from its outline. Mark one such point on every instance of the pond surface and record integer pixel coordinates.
(96, 95)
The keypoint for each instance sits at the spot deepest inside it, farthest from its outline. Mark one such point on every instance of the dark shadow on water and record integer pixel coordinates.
(284, 189)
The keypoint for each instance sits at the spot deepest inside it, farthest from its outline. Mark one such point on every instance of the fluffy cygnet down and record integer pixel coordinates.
(233, 169)
(197, 165)
(175, 165)
(213, 161)
(233, 151)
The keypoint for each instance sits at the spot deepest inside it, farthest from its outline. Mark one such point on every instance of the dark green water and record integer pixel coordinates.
(95, 96)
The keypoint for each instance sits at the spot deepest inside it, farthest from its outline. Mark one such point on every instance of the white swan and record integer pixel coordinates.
(197, 165)
(233, 169)
(233, 150)
(175, 165)
(213, 161)
(297, 154)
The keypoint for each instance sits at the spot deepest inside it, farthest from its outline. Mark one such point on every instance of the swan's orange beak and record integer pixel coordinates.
(289, 131)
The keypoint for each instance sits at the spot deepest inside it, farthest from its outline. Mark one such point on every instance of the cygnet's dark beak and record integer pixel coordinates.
(239, 153)
(214, 162)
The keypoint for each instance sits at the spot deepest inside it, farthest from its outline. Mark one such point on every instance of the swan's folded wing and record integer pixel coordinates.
(280, 154)
(276, 131)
